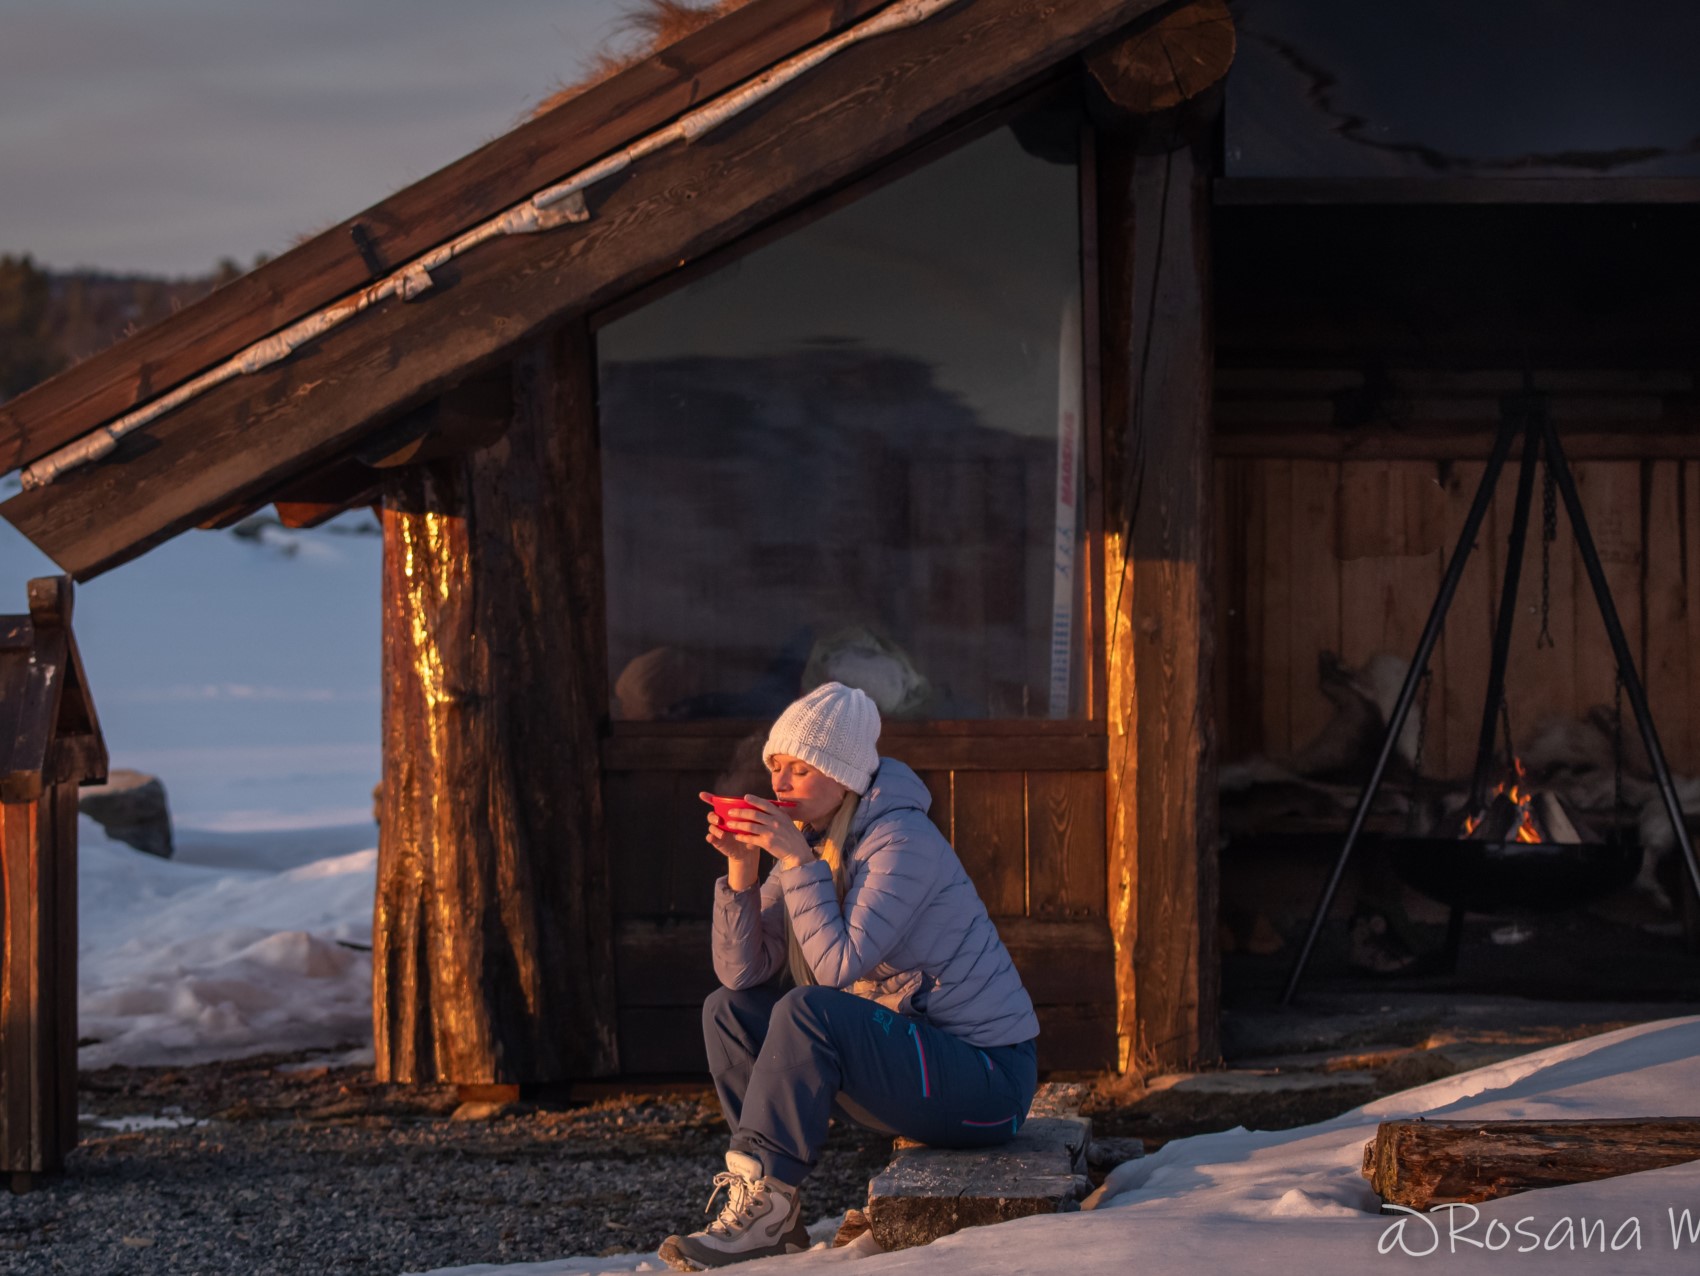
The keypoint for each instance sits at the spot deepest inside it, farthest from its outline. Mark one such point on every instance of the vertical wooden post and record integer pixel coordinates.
(1162, 796)
(38, 983)
(52, 745)
(493, 953)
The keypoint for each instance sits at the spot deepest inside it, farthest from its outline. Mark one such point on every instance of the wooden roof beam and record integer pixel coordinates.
(866, 106)
(1160, 84)
(371, 244)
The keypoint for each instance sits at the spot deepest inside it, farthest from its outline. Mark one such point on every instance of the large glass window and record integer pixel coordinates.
(856, 453)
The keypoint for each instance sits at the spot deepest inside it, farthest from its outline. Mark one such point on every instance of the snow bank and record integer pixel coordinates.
(186, 963)
(1295, 1201)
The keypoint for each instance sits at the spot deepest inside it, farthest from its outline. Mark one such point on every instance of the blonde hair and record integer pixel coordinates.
(834, 853)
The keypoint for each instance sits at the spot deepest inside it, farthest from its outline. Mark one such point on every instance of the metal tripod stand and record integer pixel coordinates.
(1524, 414)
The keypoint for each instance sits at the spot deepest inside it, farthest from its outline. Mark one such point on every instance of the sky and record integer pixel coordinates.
(160, 136)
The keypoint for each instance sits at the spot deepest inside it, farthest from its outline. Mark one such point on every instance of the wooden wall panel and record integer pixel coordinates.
(1392, 521)
(1455, 701)
(942, 810)
(1397, 524)
(1666, 672)
(1316, 590)
(1278, 657)
(990, 814)
(662, 865)
(20, 836)
(1065, 845)
(1611, 498)
(38, 983)
(1691, 595)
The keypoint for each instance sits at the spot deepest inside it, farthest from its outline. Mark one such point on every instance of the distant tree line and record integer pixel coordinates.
(50, 319)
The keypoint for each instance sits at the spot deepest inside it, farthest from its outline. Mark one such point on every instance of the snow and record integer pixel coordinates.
(264, 947)
(1296, 1201)
(243, 672)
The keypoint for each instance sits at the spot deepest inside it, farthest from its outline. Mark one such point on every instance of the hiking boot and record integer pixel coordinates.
(758, 1220)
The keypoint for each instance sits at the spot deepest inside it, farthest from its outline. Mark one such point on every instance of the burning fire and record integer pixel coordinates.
(1512, 787)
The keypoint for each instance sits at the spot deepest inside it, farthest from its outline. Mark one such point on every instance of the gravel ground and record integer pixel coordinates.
(279, 1166)
(321, 1171)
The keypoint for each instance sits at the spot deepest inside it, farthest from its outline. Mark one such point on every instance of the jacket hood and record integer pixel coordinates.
(894, 788)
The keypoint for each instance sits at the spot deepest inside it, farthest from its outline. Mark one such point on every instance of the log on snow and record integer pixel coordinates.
(1420, 1164)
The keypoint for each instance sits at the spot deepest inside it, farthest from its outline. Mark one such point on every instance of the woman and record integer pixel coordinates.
(906, 1015)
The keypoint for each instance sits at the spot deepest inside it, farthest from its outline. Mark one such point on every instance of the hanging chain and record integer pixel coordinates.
(1549, 533)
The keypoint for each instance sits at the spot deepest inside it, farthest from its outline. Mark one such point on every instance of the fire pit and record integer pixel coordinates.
(1519, 851)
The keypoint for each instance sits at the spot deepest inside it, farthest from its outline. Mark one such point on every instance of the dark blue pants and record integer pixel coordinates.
(782, 1061)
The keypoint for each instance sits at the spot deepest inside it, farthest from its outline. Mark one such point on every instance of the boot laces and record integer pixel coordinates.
(742, 1196)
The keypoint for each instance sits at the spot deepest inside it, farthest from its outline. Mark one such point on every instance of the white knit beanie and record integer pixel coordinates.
(834, 729)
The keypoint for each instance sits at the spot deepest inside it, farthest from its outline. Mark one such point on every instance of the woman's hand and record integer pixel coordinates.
(769, 828)
(742, 862)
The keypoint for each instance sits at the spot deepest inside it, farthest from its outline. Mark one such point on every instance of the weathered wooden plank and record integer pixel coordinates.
(1611, 498)
(1419, 1164)
(322, 495)
(1290, 436)
(846, 117)
(991, 837)
(1249, 698)
(1162, 807)
(1314, 581)
(941, 812)
(1455, 703)
(64, 1062)
(926, 1193)
(1081, 1037)
(661, 1041)
(1691, 591)
(1666, 666)
(1229, 584)
(466, 192)
(642, 828)
(493, 918)
(31, 687)
(20, 833)
(1279, 738)
(1065, 845)
(663, 963)
(686, 865)
(959, 753)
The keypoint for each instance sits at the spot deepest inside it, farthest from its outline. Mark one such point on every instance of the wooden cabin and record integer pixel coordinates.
(952, 346)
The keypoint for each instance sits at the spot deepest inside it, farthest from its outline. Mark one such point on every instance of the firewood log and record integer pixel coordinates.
(1420, 1164)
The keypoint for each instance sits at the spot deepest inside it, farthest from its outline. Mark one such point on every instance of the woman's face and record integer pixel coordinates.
(817, 795)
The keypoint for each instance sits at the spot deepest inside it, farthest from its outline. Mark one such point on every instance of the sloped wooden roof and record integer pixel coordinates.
(251, 437)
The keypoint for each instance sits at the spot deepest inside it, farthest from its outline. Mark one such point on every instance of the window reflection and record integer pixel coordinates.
(838, 456)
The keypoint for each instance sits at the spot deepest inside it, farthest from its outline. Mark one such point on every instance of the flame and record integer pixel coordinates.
(1512, 787)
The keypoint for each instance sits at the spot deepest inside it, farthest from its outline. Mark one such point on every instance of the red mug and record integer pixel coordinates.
(724, 806)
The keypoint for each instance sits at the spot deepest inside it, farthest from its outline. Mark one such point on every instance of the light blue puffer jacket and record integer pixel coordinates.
(911, 933)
